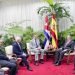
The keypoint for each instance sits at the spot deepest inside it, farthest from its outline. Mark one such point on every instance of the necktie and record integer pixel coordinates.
(19, 46)
(36, 43)
(67, 42)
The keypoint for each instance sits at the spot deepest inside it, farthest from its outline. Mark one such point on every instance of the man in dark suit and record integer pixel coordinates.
(69, 45)
(5, 62)
(17, 49)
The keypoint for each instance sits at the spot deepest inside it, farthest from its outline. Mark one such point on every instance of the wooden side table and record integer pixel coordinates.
(49, 53)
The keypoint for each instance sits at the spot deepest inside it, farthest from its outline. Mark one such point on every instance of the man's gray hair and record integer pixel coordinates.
(17, 38)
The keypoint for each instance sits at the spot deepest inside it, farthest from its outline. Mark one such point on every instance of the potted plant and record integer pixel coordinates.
(54, 9)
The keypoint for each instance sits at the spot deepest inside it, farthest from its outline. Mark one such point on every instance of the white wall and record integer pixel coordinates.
(20, 11)
(66, 23)
(24, 12)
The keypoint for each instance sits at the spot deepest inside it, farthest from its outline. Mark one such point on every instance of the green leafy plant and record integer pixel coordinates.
(15, 30)
(28, 33)
(7, 40)
(54, 8)
(61, 39)
(62, 35)
(70, 31)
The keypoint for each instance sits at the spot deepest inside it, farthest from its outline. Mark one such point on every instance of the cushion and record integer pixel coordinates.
(9, 51)
(5, 68)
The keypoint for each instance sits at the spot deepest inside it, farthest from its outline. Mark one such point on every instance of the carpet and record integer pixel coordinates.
(48, 68)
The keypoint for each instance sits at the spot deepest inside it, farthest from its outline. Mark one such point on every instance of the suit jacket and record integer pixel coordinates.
(33, 44)
(70, 45)
(17, 48)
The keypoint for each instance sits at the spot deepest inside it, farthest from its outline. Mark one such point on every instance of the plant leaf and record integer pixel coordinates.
(50, 2)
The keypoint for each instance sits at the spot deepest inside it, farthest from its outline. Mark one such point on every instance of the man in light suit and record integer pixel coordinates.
(68, 45)
(36, 48)
(17, 49)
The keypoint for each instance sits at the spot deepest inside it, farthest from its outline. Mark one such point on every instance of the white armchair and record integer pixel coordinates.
(29, 52)
(4, 70)
(28, 49)
(9, 51)
(9, 54)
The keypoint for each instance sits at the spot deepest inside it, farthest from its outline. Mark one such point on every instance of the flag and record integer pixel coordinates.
(54, 32)
(46, 33)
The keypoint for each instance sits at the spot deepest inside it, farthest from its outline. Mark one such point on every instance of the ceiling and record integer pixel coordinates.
(12, 0)
(37, 0)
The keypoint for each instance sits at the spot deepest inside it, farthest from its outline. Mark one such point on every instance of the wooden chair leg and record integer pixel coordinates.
(68, 59)
(74, 62)
(74, 65)
(30, 58)
(18, 62)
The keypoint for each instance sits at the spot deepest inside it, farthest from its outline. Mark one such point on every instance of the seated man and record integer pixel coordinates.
(5, 62)
(36, 48)
(17, 49)
(69, 45)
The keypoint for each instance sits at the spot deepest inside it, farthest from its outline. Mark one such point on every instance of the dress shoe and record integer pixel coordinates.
(41, 61)
(29, 69)
(57, 64)
(21, 64)
(36, 63)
